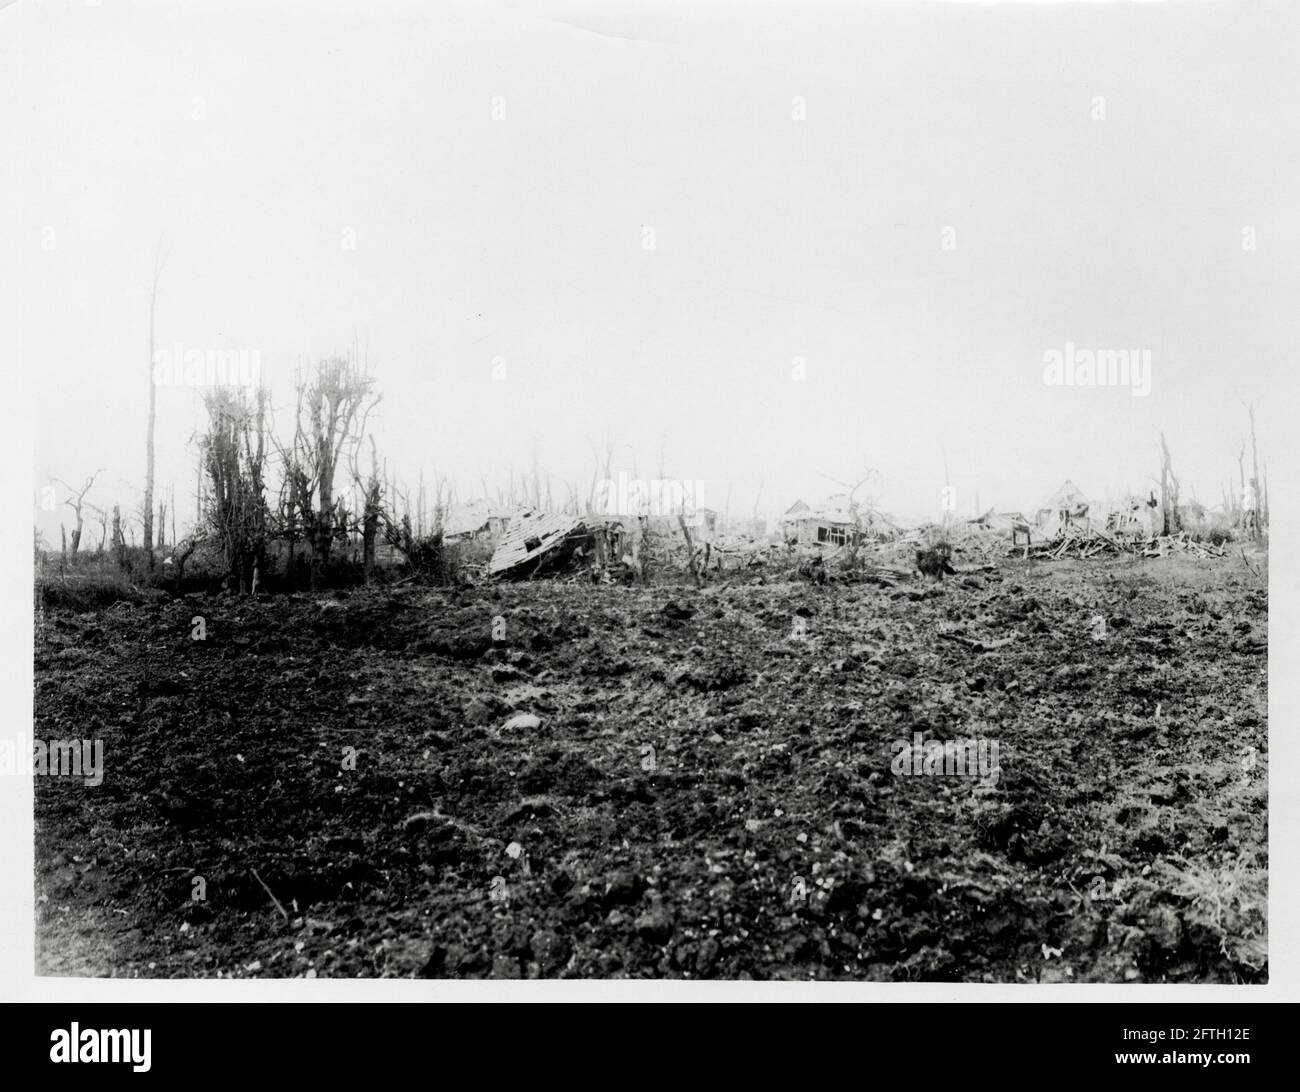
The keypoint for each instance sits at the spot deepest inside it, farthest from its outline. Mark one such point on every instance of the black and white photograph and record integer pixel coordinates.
(649, 494)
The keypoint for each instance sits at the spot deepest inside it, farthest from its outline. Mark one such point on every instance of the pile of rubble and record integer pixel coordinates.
(1084, 543)
(1164, 545)
(605, 548)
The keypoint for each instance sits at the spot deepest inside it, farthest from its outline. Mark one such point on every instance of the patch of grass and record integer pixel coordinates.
(1229, 903)
(81, 592)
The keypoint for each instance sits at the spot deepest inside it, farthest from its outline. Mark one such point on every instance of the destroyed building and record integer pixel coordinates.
(1009, 525)
(837, 521)
(537, 541)
(1065, 511)
(1136, 517)
(831, 523)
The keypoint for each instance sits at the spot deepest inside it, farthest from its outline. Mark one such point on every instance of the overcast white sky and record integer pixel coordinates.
(775, 238)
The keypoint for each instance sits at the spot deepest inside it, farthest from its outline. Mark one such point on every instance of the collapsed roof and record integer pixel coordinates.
(532, 539)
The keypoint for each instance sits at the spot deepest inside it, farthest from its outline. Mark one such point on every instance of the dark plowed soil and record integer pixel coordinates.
(706, 791)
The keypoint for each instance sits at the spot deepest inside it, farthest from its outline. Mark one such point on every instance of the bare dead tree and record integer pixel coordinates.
(425, 554)
(641, 549)
(38, 549)
(119, 542)
(1168, 490)
(234, 454)
(856, 511)
(75, 502)
(596, 470)
(372, 494)
(693, 565)
(421, 501)
(442, 494)
(1236, 509)
(332, 411)
(537, 482)
(287, 523)
(159, 261)
(1261, 514)
(102, 515)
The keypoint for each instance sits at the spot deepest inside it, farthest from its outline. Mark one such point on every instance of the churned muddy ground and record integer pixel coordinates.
(342, 786)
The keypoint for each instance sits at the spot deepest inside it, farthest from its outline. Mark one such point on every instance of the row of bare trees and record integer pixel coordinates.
(74, 545)
(310, 492)
(1245, 502)
(310, 510)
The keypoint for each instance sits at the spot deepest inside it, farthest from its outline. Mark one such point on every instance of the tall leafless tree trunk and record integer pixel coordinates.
(1260, 513)
(103, 530)
(119, 543)
(1168, 490)
(153, 391)
(692, 561)
(1237, 509)
(372, 509)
